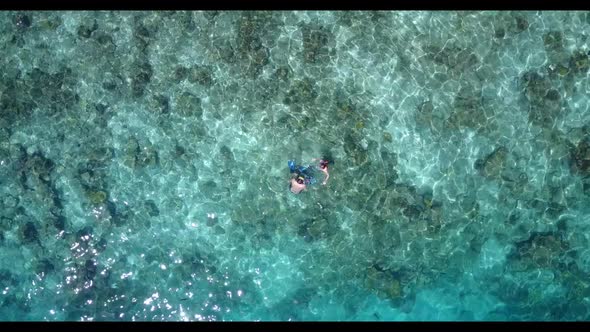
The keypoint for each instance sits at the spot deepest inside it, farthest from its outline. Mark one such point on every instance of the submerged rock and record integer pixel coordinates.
(180, 73)
(8, 205)
(211, 190)
(553, 41)
(354, 149)
(53, 93)
(301, 91)
(44, 266)
(552, 95)
(315, 44)
(101, 245)
(136, 156)
(104, 40)
(225, 153)
(148, 157)
(544, 100)
(468, 111)
(97, 197)
(425, 114)
(201, 75)
(580, 158)
(385, 282)
(91, 176)
(493, 164)
(187, 104)
(218, 230)
(254, 55)
(89, 269)
(317, 228)
(457, 59)
(119, 216)
(521, 23)
(141, 75)
(84, 232)
(540, 250)
(160, 104)
(179, 151)
(389, 167)
(152, 208)
(30, 233)
(579, 62)
(536, 86)
(144, 32)
(22, 21)
(59, 222)
(387, 138)
(85, 31)
(282, 73)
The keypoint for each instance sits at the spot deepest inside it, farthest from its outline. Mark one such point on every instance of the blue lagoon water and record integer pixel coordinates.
(144, 177)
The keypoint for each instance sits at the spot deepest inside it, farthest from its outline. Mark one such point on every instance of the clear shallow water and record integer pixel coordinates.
(143, 166)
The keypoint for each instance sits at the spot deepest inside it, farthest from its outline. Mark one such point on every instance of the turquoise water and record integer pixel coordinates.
(143, 166)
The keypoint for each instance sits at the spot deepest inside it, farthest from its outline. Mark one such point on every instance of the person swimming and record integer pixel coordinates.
(303, 176)
(306, 175)
(297, 184)
(323, 166)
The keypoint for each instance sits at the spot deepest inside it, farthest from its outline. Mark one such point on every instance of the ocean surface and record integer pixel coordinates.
(144, 176)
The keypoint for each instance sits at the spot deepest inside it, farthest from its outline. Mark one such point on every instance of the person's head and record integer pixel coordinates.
(300, 179)
(323, 164)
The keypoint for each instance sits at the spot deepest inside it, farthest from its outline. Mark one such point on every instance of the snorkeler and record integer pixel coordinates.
(323, 166)
(303, 175)
(297, 184)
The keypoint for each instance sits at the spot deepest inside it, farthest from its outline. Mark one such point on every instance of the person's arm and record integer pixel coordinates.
(326, 179)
